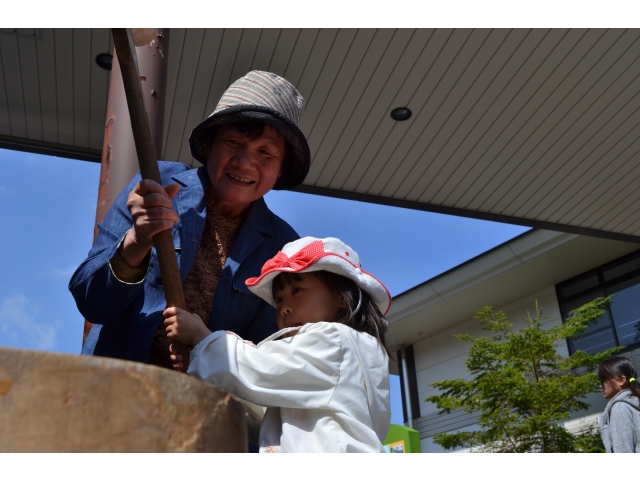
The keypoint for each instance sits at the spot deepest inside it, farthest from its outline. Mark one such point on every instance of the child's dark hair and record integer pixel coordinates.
(616, 367)
(367, 319)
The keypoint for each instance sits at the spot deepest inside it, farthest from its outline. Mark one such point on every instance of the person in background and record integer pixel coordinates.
(620, 423)
(222, 229)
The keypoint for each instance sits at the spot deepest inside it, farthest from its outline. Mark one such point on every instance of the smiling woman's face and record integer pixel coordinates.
(241, 170)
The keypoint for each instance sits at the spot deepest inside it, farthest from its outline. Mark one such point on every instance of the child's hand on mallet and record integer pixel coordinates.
(187, 328)
(176, 358)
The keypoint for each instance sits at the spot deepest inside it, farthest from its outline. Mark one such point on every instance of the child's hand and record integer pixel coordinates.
(175, 358)
(187, 328)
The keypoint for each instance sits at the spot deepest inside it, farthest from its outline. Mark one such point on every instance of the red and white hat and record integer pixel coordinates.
(310, 254)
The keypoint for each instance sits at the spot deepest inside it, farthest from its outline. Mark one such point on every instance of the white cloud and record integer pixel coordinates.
(21, 325)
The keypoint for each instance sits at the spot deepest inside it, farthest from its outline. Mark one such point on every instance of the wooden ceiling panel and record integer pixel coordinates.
(300, 54)
(249, 41)
(615, 113)
(428, 102)
(508, 57)
(403, 80)
(470, 84)
(619, 210)
(602, 198)
(495, 111)
(442, 82)
(448, 152)
(174, 55)
(63, 39)
(5, 119)
(99, 86)
(619, 219)
(185, 81)
(28, 61)
(326, 80)
(314, 66)
(81, 69)
(371, 105)
(282, 53)
(536, 102)
(573, 176)
(628, 224)
(534, 126)
(13, 84)
(615, 210)
(264, 52)
(634, 228)
(389, 137)
(574, 100)
(230, 45)
(338, 111)
(48, 87)
(519, 90)
(206, 64)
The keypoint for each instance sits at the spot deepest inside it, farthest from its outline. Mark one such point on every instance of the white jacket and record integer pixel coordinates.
(326, 388)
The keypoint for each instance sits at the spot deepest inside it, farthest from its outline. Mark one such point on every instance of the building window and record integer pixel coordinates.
(620, 325)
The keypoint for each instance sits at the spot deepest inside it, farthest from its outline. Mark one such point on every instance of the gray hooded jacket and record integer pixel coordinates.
(620, 424)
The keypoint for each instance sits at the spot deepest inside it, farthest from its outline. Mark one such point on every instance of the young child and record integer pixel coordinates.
(620, 422)
(326, 382)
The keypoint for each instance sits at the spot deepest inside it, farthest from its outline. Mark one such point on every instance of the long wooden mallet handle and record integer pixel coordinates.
(148, 161)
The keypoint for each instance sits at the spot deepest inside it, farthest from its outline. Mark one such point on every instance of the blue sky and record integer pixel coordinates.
(48, 210)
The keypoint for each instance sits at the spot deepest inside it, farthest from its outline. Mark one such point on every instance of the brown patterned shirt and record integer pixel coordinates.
(218, 239)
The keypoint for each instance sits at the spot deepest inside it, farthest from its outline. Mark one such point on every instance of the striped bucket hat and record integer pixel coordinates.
(263, 97)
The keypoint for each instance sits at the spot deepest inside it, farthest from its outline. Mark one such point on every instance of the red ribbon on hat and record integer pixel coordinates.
(296, 262)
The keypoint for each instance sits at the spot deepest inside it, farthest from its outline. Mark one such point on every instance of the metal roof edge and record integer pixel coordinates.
(462, 212)
(48, 148)
(509, 258)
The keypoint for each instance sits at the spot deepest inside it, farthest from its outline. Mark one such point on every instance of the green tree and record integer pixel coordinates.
(522, 387)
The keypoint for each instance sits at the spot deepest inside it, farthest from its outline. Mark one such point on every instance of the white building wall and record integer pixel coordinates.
(442, 357)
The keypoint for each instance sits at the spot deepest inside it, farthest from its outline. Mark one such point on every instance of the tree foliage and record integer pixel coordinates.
(522, 387)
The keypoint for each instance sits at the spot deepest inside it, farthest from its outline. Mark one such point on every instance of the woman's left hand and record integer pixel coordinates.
(185, 327)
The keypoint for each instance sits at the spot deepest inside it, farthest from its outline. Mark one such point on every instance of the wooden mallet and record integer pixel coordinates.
(148, 161)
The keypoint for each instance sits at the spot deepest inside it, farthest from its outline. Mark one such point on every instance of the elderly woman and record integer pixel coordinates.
(222, 229)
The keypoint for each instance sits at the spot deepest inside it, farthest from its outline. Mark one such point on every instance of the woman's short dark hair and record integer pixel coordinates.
(616, 367)
(367, 319)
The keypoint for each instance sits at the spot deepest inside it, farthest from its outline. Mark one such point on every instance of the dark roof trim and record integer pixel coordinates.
(461, 212)
(48, 148)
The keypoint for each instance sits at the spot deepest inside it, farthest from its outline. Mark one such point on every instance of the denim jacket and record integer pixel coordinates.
(125, 316)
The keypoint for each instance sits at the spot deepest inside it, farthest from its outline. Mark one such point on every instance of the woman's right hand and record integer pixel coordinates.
(152, 211)
(151, 208)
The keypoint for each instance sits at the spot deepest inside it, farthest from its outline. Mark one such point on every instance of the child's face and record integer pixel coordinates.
(308, 300)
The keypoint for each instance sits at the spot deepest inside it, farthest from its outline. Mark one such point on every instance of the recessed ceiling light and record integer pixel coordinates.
(401, 114)
(104, 60)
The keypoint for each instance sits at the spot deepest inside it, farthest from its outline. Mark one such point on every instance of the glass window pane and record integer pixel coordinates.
(626, 312)
(619, 270)
(595, 343)
(573, 287)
